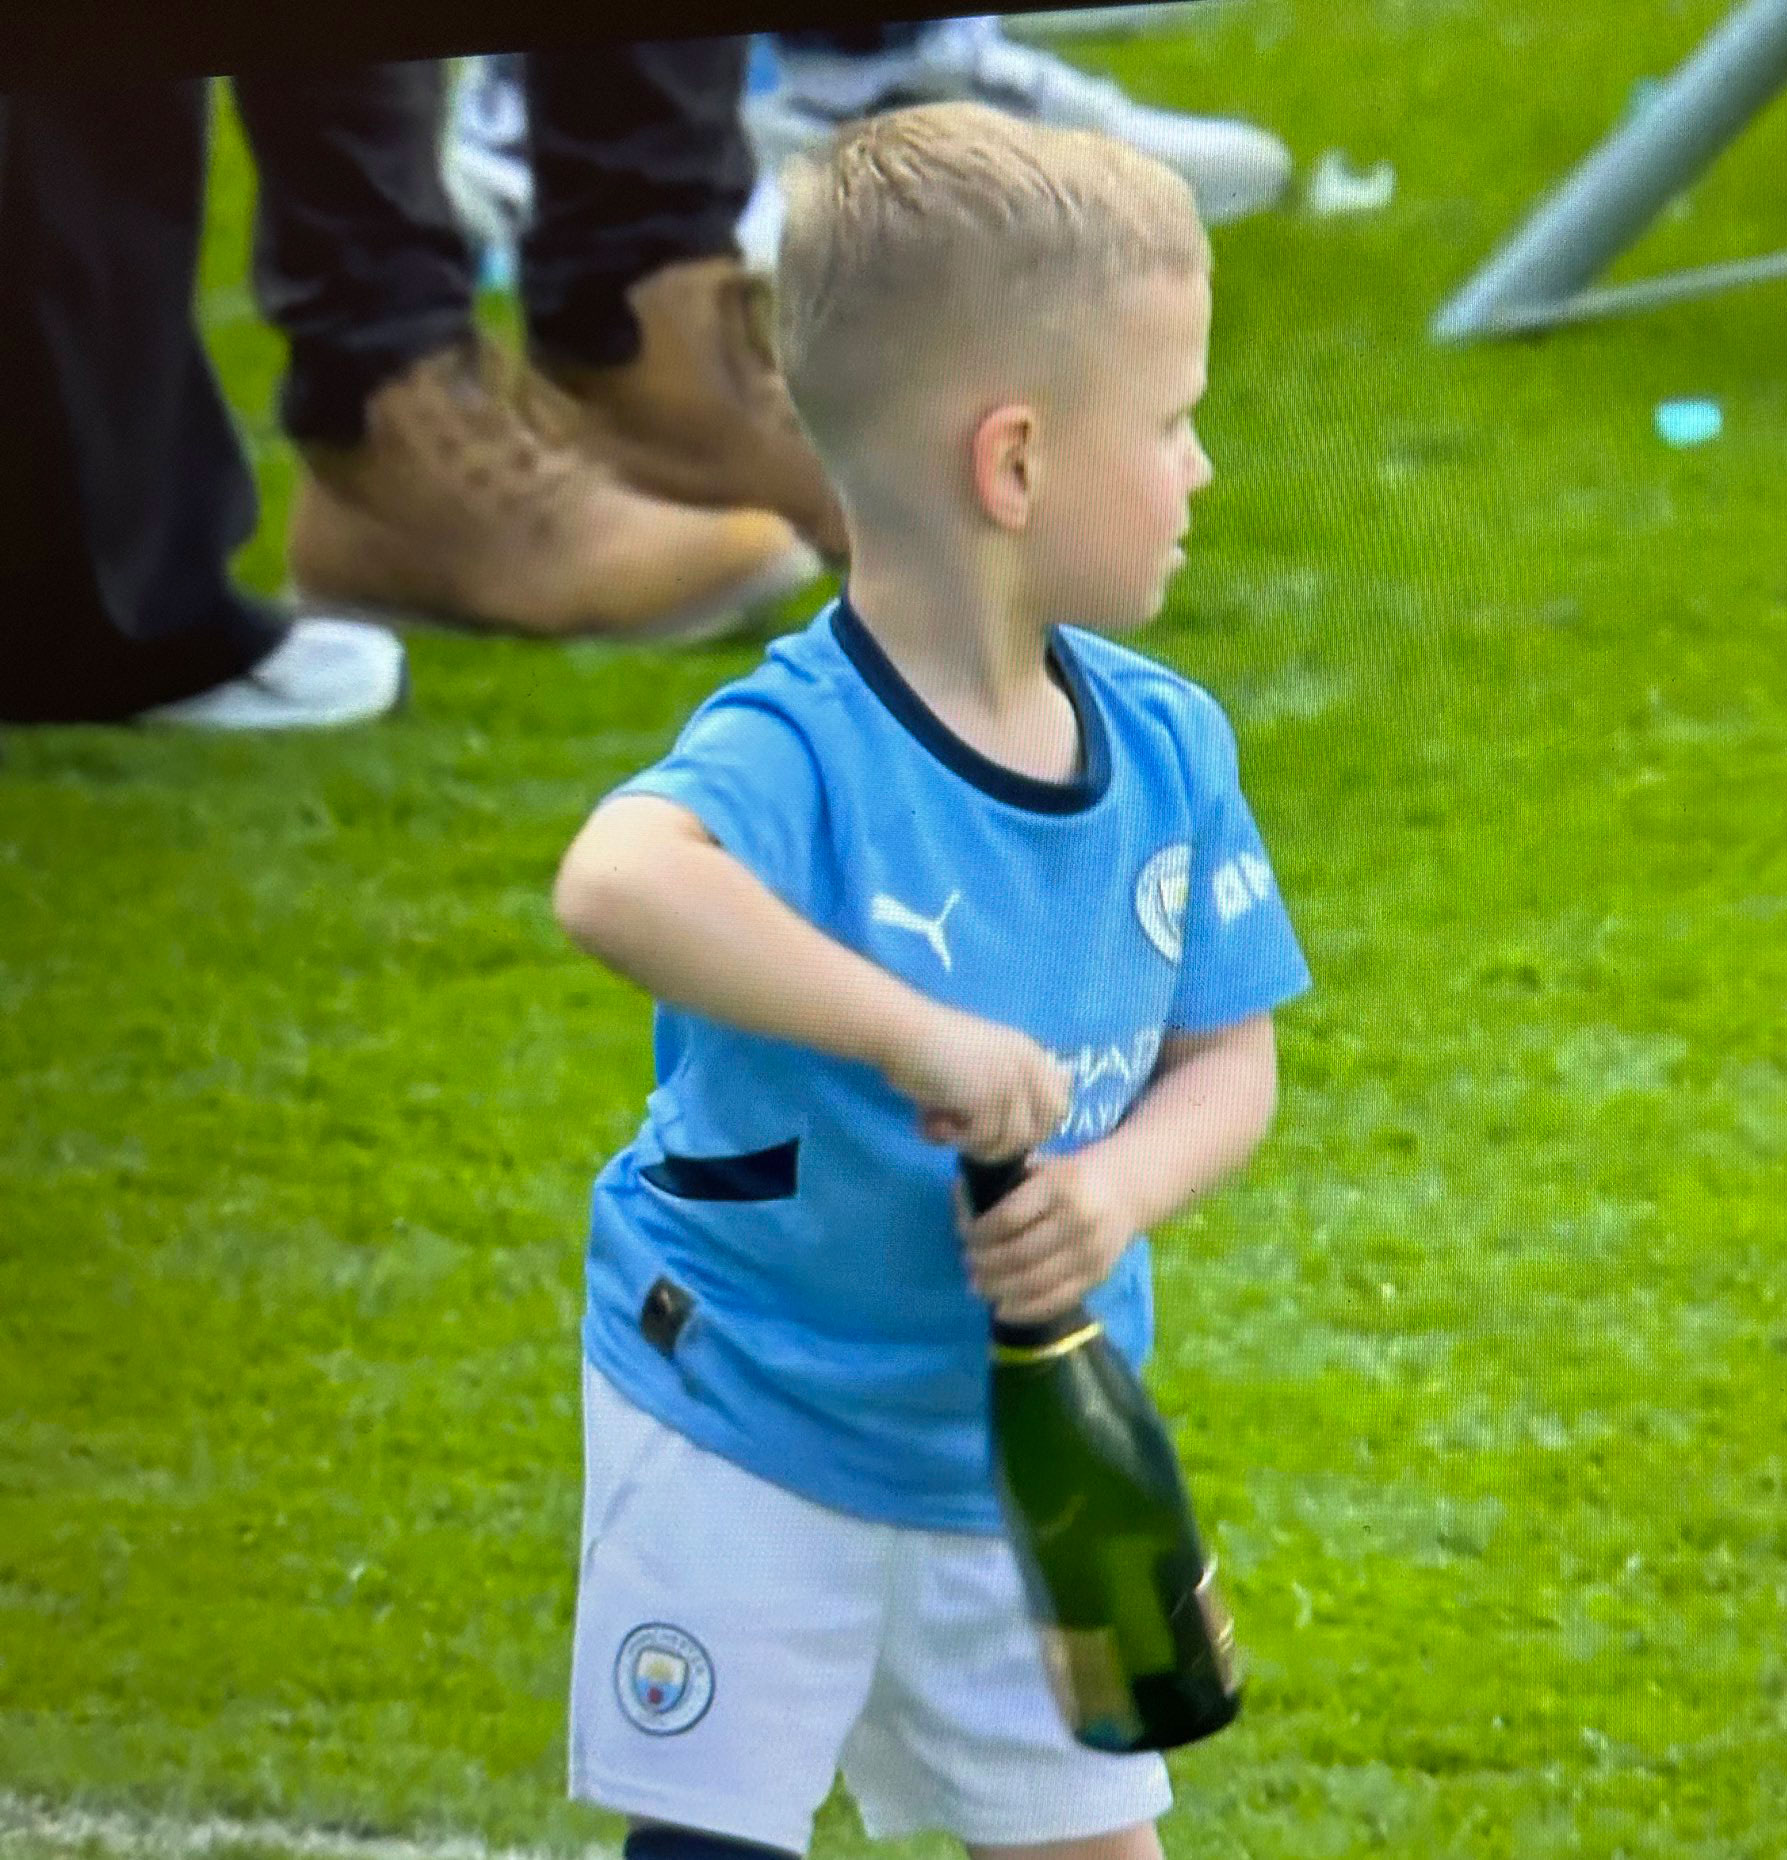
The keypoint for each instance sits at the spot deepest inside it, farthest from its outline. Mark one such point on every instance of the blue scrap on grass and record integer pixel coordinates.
(1689, 422)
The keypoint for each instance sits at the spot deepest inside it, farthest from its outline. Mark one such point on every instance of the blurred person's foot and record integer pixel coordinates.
(323, 673)
(759, 229)
(701, 414)
(1234, 168)
(484, 154)
(468, 501)
(1107, 22)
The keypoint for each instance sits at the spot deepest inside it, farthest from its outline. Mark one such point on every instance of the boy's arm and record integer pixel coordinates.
(1061, 1231)
(648, 890)
(1209, 1103)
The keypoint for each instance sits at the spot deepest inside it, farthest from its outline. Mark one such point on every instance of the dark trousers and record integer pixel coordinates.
(118, 458)
(877, 36)
(123, 485)
(639, 159)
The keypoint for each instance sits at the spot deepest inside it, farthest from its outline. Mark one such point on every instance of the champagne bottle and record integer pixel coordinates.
(1136, 1637)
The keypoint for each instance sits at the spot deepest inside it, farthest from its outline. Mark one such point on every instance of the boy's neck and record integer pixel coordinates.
(980, 668)
(960, 649)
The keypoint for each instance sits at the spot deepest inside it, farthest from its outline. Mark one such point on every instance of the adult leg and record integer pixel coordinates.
(639, 306)
(440, 478)
(854, 41)
(358, 260)
(118, 460)
(640, 160)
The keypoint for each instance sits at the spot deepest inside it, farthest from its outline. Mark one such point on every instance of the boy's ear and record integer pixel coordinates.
(1005, 464)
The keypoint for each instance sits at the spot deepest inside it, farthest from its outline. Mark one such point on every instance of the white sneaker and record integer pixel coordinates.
(759, 228)
(1107, 22)
(1234, 168)
(484, 157)
(324, 672)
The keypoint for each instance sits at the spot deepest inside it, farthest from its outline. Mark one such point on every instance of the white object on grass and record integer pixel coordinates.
(1335, 188)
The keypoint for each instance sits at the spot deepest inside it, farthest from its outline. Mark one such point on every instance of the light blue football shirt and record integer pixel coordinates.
(832, 1342)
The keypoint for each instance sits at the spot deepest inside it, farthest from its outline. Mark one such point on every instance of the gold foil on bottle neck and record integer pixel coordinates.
(1046, 1352)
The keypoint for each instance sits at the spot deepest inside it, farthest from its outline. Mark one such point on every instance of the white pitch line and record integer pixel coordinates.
(134, 1837)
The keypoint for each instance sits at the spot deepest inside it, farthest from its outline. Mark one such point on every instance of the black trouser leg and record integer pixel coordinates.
(849, 41)
(121, 476)
(640, 159)
(358, 260)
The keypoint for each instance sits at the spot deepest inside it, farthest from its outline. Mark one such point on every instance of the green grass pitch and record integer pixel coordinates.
(1479, 1373)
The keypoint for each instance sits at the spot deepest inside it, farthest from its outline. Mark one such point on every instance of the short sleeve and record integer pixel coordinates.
(746, 771)
(1240, 956)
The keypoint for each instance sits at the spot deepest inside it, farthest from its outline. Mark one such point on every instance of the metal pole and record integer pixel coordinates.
(1647, 294)
(1613, 194)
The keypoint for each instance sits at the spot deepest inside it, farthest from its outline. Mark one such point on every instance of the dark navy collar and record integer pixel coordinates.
(994, 778)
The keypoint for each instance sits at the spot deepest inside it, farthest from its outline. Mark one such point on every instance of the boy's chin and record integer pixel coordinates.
(1113, 604)
(1120, 620)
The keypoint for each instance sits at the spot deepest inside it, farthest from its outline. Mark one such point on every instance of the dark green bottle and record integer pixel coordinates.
(1138, 1642)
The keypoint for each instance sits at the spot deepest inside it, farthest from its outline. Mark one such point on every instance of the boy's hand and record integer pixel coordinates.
(980, 1087)
(1042, 1247)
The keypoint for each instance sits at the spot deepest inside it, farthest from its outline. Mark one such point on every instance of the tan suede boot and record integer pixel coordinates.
(702, 413)
(468, 502)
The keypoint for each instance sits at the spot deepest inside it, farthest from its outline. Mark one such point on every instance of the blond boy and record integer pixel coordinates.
(950, 871)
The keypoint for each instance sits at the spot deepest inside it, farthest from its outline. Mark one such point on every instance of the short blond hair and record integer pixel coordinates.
(953, 241)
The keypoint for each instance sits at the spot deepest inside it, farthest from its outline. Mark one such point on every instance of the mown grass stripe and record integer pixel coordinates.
(75, 1829)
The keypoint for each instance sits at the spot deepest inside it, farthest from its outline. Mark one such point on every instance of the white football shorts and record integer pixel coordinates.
(737, 1645)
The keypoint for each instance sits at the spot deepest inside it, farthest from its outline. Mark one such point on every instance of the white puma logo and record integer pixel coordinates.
(886, 910)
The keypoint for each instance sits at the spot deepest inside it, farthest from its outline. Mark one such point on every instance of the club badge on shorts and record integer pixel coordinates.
(1160, 894)
(663, 1679)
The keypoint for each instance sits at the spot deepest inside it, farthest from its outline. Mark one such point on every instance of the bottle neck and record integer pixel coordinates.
(1073, 1329)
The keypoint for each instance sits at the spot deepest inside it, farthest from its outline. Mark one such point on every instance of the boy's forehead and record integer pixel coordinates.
(1167, 308)
(1166, 329)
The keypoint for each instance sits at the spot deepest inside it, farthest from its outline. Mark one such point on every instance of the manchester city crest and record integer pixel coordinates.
(663, 1679)
(1160, 894)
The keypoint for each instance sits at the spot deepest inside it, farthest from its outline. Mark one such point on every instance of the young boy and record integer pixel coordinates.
(948, 872)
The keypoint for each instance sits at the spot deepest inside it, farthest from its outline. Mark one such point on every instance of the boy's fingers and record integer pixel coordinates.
(1010, 1219)
(1024, 1251)
(1033, 1299)
(1008, 1134)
